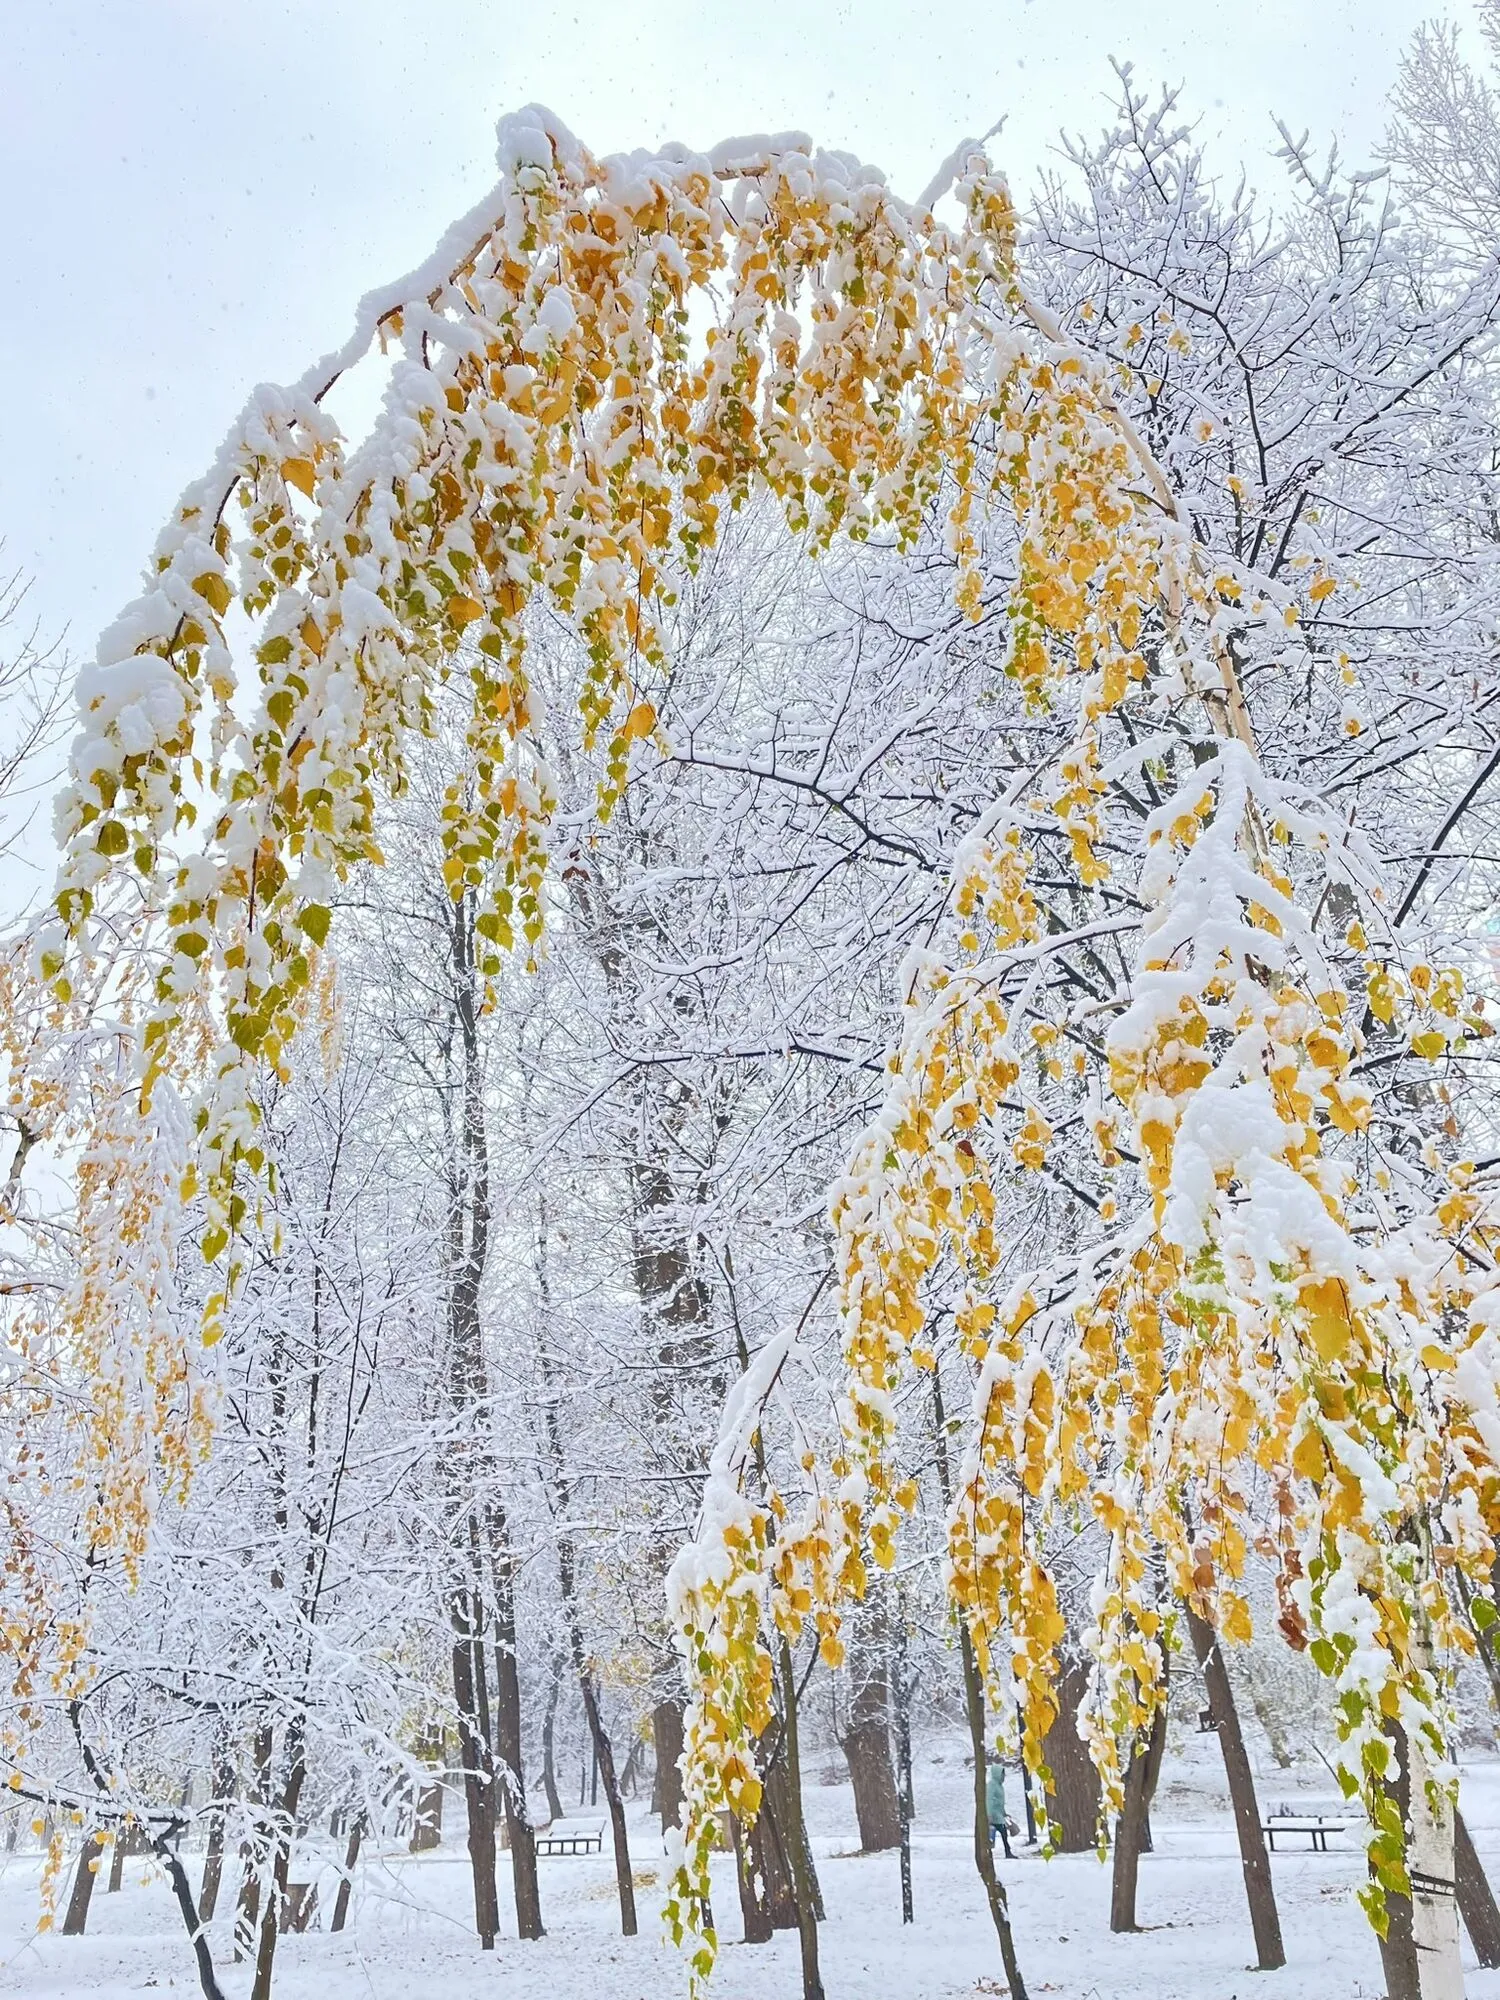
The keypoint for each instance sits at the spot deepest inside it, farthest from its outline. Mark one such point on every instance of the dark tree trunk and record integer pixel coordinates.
(508, 1767)
(1026, 1781)
(471, 1471)
(1476, 1899)
(1398, 1948)
(549, 1743)
(799, 1852)
(984, 1853)
(273, 1898)
(84, 1875)
(427, 1819)
(1398, 1951)
(1156, 1746)
(1073, 1803)
(192, 1920)
(630, 1777)
(479, 1783)
(666, 1734)
(901, 1712)
(768, 1897)
(213, 1854)
(562, 1499)
(867, 1748)
(604, 1758)
(1255, 1863)
(1133, 1828)
(346, 1880)
(119, 1850)
(255, 1851)
(778, 1821)
(511, 1770)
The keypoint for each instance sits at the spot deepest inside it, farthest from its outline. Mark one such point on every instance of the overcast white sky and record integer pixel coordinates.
(195, 194)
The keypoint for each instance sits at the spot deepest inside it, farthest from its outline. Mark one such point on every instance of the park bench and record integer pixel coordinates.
(1316, 1826)
(572, 1836)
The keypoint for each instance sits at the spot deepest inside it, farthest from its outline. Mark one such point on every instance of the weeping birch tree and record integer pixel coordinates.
(1168, 978)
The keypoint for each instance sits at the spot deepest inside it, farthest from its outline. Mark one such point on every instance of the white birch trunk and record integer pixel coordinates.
(1431, 1864)
(1434, 1905)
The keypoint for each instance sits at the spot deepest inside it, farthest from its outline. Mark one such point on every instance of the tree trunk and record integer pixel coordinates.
(274, 1895)
(471, 1470)
(549, 1737)
(510, 1769)
(779, 1811)
(604, 1756)
(213, 1853)
(1131, 1832)
(1434, 1905)
(761, 1881)
(346, 1880)
(119, 1850)
(1255, 1863)
(427, 1820)
(1476, 1899)
(799, 1852)
(192, 1920)
(984, 1853)
(1026, 1781)
(1430, 1847)
(1398, 1949)
(901, 1711)
(1073, 1798)
(479, 1786)
(84, 1875)
(1420, 1951)
(867, 1748)
(666, 1734)
(256, 1850)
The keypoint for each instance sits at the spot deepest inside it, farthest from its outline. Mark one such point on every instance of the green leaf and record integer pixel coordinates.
(315, 920)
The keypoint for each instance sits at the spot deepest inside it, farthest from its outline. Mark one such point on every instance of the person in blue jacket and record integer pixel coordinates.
(994, 1805)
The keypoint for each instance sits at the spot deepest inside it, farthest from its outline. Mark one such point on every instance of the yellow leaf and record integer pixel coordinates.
(300, 472)
(463, 610)
(1327, 1307)
(1234, 1619)
(214, 589)
(1309, 1460)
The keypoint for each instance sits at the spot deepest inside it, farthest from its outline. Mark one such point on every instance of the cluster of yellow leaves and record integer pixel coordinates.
(555, 427)
(103, 1403)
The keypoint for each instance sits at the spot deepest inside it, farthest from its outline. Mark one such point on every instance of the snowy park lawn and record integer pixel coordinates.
(411, 1938)
(413, 1941)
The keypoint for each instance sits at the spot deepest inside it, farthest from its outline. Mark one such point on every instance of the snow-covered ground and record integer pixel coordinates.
(411, 1938)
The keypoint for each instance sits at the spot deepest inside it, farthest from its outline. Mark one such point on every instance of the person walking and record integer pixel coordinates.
(994, 1805)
